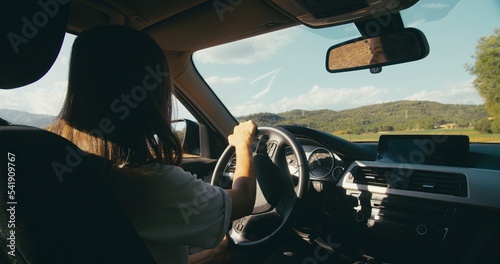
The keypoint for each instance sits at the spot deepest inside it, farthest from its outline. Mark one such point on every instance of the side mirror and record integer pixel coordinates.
(188, 133)
(362, 53)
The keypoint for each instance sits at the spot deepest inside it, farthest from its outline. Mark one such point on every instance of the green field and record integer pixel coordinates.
(474, 135)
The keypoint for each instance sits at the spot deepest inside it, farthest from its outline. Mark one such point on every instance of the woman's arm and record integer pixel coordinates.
(243, 190)
(220, 254)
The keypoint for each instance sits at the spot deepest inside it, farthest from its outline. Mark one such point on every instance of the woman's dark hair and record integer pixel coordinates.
(118, 104)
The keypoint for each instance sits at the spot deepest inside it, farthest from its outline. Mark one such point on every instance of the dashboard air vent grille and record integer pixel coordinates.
(438, 182)
(370, 176)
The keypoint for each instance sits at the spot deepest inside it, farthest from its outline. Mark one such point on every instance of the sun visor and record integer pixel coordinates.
(32, 34)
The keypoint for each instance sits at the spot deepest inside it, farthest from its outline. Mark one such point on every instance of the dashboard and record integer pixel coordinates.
(406, 199)
(410, 199)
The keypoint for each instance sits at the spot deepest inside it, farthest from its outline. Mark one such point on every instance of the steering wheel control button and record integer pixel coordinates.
(360, 217)
(422, 229)
(239, 225)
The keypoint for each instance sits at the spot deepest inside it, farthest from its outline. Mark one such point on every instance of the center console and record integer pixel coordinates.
(410, 202)
(412, 219)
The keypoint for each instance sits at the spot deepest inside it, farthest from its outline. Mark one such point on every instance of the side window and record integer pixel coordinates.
(187, 129)
(37, 104)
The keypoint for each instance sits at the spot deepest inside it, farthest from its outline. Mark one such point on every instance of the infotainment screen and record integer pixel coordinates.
(447, 150)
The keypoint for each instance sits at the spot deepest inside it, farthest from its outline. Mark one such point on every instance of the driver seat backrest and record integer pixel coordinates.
(55, 206)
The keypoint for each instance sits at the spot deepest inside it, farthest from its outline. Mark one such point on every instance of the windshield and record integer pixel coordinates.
(280, 78)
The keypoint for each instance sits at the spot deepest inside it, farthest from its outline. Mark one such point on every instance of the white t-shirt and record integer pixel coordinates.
(171, 209)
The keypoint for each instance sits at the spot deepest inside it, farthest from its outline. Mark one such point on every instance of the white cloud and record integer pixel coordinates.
(435, 6)
(217, 80)
(35, 99)
(7, 103)
(248, 108)
(347, 98)
(416, 22)
(49, 100)
(317, 98)
(246, 51)
(333, 98)
(458, 93)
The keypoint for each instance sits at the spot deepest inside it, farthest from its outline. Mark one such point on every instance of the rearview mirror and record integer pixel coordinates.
(361, 53)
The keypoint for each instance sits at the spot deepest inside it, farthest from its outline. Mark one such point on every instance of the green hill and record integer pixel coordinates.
(400, 115)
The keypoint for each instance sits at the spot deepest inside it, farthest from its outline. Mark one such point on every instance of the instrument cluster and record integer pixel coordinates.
(323, 163)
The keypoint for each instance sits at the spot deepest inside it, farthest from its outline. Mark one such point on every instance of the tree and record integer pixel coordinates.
(487, 72)
(483, 126)
(495, 126)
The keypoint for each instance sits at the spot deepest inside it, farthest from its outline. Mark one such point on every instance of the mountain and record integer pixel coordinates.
(399, 115)
(25, 118)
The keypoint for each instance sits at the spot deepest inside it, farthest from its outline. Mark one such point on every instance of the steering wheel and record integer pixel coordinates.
(278, 192)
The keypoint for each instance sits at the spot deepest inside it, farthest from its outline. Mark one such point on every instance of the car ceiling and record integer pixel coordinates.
(183, 25)
(179, 27)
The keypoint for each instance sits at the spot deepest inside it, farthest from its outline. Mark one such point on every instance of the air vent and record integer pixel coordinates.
(370, 176)
(438, 182)
(412, 180)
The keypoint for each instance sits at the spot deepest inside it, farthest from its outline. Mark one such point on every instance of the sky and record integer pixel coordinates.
(285, 70)
(46, 95)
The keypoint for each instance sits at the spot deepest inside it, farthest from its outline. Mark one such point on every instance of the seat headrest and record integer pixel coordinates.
(32, 34)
